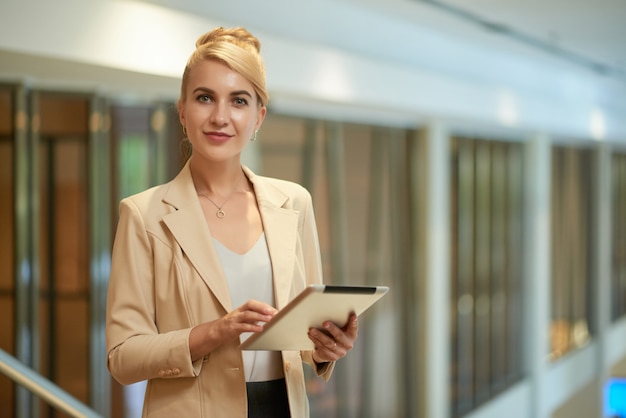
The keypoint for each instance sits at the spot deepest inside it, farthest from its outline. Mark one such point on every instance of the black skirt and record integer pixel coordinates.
(268, 399)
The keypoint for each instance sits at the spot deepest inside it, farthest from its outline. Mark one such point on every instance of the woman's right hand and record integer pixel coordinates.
(249, 317)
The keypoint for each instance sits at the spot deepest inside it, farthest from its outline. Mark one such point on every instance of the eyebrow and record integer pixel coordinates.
(232, 93)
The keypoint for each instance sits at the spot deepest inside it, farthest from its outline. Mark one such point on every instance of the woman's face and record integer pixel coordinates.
(220, 111)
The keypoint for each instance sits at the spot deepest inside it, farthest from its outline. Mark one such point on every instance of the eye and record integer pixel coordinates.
(203, 98)
(240, 101)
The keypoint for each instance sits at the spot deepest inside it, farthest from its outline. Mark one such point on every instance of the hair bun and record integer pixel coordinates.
(235, 47)
(238, 36)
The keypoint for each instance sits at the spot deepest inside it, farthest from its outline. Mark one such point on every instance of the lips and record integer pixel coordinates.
(217, 136)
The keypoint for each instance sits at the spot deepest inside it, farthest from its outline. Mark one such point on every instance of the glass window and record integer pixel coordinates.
(146, 151)
(64, 240)
(572, 255)
(486, 295)
(131, 138)
(357, 175)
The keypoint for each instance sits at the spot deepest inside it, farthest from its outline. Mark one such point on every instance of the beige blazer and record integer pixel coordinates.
(166, 278)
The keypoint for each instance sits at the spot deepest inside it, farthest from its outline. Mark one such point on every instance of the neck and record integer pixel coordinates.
(217, 179)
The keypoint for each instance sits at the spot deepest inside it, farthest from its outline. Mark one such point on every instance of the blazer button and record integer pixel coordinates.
(175, 371)
(161, 373)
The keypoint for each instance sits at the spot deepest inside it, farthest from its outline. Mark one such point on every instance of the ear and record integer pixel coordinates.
(260, 117)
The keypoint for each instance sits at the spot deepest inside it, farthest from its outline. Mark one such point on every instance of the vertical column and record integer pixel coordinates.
(26, 243)
(403, 257)
(435, 339)
(339, 241)
(337, 195)
(100, 258)
(537, 256)
(370, 385)
(308, 155)
(603, 251)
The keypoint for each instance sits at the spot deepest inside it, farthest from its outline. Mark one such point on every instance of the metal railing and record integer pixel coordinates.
(42, 387)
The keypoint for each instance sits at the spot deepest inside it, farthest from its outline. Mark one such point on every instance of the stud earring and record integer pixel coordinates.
(254, 136)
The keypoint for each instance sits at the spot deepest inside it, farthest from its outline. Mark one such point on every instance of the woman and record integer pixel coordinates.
(214, 254)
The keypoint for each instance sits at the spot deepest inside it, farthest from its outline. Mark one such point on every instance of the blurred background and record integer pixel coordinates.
(470, 155)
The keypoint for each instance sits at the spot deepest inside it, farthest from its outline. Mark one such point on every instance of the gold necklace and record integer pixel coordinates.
(220, 212)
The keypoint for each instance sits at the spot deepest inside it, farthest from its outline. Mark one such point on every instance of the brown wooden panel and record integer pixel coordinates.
(7, 247)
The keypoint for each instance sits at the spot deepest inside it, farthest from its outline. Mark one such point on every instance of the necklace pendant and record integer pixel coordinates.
(220, 213)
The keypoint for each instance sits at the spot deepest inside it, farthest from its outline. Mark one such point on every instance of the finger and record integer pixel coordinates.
(260, 307)
(325, 353)
(344, 336)
(324, 339)
(321, 339)
(352, 327)
(246, 321)
(252, 317)
(321, 355)
(334, 332)
(332, 353)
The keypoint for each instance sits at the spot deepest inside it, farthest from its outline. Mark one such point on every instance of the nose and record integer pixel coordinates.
(219, 114)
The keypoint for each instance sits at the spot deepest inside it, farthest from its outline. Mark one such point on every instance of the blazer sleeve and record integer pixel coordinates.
(135, 349)
(313, 268)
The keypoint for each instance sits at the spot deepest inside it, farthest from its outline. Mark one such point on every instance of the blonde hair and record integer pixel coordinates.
(238, 49)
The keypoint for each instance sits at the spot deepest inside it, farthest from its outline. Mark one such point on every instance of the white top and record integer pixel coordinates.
(249, 276)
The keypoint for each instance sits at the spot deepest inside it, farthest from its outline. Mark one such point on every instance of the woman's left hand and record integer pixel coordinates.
(333, 343)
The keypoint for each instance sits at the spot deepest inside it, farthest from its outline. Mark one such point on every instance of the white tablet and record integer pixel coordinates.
(288, 330)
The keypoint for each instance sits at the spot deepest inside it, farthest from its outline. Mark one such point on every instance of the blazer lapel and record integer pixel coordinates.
(192, 233)
(281, 228)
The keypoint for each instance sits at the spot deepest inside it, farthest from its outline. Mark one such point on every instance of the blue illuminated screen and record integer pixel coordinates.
(615, 398)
